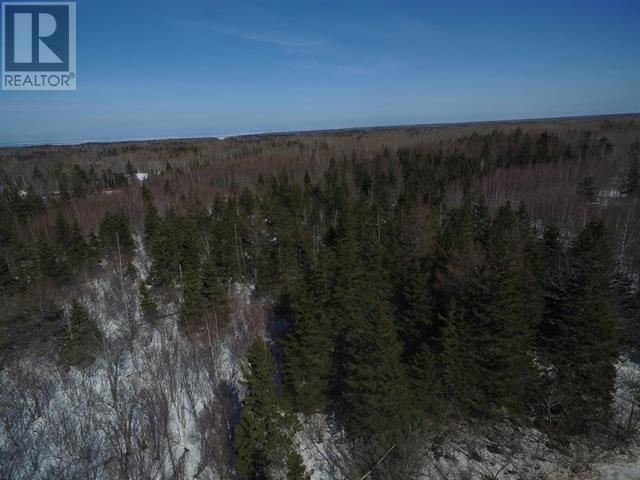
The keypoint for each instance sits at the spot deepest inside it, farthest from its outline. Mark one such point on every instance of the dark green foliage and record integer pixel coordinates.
(420, 337)
(147, 304)
(502, 335)
(263, 438)
(455, 356)
(70, 241)
(375, 390)
(84, 339)
(416, 313)
(400, 303)
(151, 218)
(115, 234)
(585, 346)
(79, 181)
(53, 263)
(551, 271)
(247, 202)
(295, 468)
(130, 169)
(192, 307)
(214, 288)
(26, 264)
(308, 347)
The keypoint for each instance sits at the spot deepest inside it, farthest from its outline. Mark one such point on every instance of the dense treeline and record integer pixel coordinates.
(401, 306)
(397, 312)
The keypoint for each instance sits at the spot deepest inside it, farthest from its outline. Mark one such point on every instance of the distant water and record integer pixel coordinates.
(37, 143)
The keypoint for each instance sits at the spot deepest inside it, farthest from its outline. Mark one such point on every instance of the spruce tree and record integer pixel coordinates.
(416, 310)
(307, 347)
(69, 240)
(62, 231)
(213, 287)
(551, 272)
(192, 307)
(115, 233)
(84, 337)
(586, 346)
(52, 261)
(375, 390)
(419, 337)
(295, 468)
(454, 355)
(151, 218)
(263, 438)
(502, 336)
(78, 250)
(160, 242)
(147, 304)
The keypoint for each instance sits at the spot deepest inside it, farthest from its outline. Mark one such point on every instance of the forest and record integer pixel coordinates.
(423, 302)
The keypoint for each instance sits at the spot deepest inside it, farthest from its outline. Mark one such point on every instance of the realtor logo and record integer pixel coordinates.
(38, 46)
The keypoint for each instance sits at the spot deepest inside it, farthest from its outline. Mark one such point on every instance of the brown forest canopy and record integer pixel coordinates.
(563, 169)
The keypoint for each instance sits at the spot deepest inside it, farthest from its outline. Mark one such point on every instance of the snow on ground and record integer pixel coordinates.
(142, 176)
(158, 405)
(501, 451)
(625, 467)
(153, 405)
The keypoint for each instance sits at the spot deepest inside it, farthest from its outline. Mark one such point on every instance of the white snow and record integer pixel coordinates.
(142, 176)
(158, 405)
(153, 405)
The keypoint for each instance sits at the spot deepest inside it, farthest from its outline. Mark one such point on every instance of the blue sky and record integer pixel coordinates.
(157, 68)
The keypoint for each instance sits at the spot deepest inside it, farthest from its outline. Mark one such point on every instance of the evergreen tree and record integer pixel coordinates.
(419, 337)
(147, 304)
(459, 252)
(78, 248)
(307, 347)
(62, 231)
(69, 240)
(213, 289)
(84, 337)
(454, 357)
(53, 263)
(551, 272)
(263, 438)
(585, 346)
(152, 220)
(131, 170)
(295, 468)
(79, 181)
(192, 307)
(416, 311)
(504, 371)
(160, 239)
(115, 233)
(375, 391)
(27, 268)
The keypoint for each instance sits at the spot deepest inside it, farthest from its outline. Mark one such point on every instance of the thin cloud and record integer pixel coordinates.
(269, 38)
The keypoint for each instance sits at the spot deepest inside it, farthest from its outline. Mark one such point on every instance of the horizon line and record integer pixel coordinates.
(76, 143)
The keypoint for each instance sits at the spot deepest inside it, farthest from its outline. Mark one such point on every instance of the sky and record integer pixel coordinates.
(189, 68)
